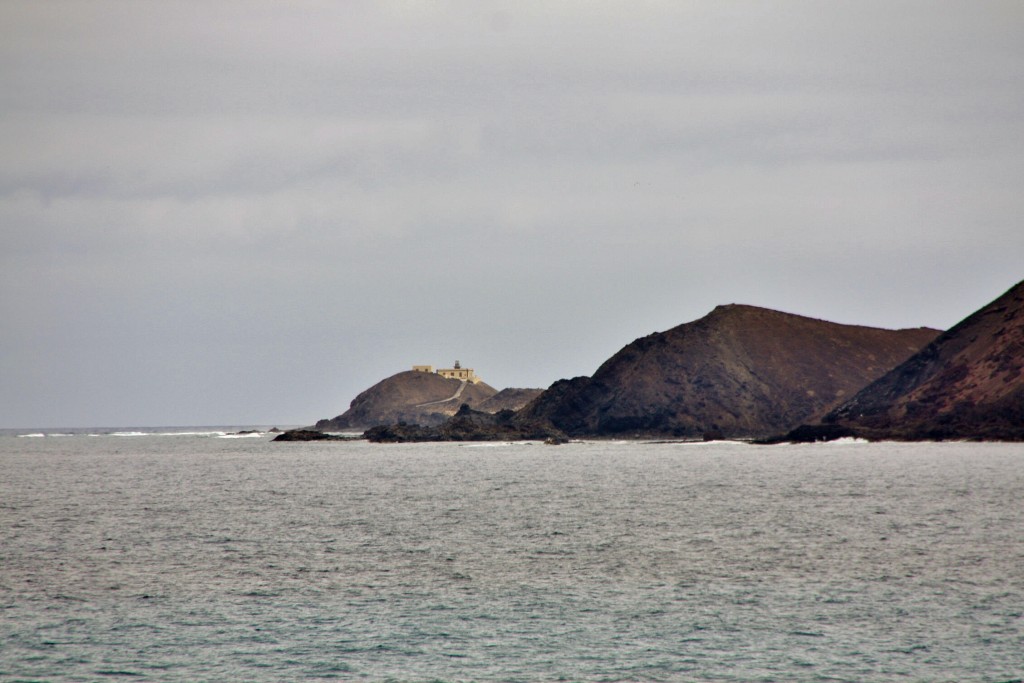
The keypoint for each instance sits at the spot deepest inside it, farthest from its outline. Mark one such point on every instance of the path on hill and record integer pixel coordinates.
(462, 385)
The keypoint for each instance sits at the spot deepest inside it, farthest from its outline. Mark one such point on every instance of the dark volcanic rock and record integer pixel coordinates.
(508, 399)
(713, 435)
(967, 384)
(306, 435)
(812, 434)
(412, 397)
(469, 425)
(740, 371)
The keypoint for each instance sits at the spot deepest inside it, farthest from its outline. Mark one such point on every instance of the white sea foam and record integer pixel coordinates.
(36, 435)
(192, 433)
(226, 431)
(847, 440)
(716, 442)
(215, 433)
(347, 435)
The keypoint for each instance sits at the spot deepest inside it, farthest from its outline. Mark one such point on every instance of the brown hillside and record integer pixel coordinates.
(413, 397)
(508, 399)
(740, 371)
(968, 383)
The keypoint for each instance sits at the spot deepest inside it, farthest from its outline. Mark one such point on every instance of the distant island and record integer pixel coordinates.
(425, 397)
(740, 372)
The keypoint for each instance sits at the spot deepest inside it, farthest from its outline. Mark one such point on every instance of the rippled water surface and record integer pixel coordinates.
(193, 557)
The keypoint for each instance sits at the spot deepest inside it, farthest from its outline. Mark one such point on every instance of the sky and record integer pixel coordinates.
(248, 212)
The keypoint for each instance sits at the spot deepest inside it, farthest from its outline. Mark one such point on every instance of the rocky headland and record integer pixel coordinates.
(424, 399)
(739, 372)
(967, 384)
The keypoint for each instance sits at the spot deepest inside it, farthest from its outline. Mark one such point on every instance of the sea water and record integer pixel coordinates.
(173, 557)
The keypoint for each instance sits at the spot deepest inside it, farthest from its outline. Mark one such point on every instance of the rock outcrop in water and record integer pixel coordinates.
(740, 371)
(306, 435)
(967, 384)
(422, 398)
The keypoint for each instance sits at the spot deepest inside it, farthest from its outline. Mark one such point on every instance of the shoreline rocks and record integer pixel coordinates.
(308, 435)
(469, 425)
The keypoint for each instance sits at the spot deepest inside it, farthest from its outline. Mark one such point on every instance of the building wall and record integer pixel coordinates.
(458, 372)
(465, 374)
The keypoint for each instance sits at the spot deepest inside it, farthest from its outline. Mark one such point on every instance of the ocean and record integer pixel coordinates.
(157, 555)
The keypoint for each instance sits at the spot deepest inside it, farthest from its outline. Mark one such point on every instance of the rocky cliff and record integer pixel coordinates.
(414, 397)
(968, 383)
(741, 371)
(421, 398)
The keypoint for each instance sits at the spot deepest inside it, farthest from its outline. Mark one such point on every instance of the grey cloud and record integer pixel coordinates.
(341, 189)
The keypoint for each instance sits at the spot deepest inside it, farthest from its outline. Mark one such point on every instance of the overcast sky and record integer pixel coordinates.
(248, 212)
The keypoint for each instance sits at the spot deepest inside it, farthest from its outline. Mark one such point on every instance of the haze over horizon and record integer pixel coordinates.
(246, 213)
